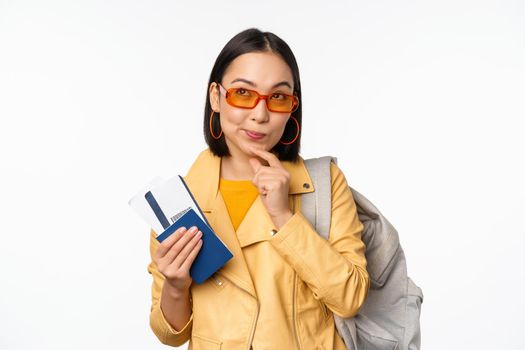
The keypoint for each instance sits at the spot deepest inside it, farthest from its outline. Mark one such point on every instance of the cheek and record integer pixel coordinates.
(280, 124)
(231, 119)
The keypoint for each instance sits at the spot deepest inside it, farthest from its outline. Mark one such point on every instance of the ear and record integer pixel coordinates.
(214, 97)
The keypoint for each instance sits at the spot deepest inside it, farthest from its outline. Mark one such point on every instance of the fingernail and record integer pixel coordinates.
(182, 229)
(193, 229)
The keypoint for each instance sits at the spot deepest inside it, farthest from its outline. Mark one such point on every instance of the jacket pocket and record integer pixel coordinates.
(371, 336)
(204, 343)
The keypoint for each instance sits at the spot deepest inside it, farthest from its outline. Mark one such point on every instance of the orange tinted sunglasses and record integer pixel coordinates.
(246, 98)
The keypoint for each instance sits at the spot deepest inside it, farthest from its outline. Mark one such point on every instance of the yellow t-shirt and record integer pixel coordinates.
(238, 196)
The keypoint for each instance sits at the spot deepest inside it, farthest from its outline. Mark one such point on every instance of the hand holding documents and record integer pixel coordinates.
(169, 205)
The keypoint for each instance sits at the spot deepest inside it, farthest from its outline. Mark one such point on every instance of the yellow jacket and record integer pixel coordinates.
(311, 278)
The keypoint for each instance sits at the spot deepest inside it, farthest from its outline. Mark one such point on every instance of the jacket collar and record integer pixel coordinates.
(204, 175)
(203, 182)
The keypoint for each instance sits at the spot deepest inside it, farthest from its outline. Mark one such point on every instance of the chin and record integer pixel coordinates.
(259, 146)
(248, 151)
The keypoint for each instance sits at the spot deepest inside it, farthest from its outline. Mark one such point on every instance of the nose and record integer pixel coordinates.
(260, 112)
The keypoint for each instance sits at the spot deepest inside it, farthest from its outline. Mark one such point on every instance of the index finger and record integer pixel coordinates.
(272, 160)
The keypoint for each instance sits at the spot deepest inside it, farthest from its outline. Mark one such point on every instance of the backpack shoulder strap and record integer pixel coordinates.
(316, 206)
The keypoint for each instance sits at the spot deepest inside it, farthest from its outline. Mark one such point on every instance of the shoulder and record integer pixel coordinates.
(340, 183)
(337, 175)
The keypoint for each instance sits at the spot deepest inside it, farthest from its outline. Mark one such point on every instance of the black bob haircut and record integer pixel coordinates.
(254, 40)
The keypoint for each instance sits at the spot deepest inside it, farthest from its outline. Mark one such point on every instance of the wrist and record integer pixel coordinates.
(280, 220)
(175, 292)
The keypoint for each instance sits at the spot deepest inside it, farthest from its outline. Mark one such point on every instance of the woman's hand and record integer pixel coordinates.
(175, 256)
(273, 182)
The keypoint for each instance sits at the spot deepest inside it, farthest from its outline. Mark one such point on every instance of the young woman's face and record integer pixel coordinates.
(259, 71)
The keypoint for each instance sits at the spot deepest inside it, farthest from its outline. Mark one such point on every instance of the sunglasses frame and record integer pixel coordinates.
(259, 98)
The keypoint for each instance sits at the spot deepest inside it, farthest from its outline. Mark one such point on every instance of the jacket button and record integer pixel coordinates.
(306, 185)
(273, 232)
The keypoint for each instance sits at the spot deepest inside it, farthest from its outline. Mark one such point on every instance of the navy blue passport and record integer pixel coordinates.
(213, 254)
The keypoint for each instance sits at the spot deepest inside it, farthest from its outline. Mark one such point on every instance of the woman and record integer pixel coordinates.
(285, 282)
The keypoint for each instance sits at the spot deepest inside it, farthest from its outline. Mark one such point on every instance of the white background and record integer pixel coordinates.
(422, 103)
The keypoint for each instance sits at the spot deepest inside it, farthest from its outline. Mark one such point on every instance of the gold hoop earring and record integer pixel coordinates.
(296, 135)
(211, 129)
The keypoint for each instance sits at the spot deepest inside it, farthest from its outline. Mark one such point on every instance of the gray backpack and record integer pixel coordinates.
(389, 318)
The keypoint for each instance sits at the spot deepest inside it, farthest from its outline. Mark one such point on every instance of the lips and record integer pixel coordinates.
(254, 135)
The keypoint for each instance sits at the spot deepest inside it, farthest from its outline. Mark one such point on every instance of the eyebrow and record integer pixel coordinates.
(282, 83)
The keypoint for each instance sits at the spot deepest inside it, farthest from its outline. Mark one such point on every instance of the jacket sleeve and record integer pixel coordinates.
(158, 323)
(334, 269)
